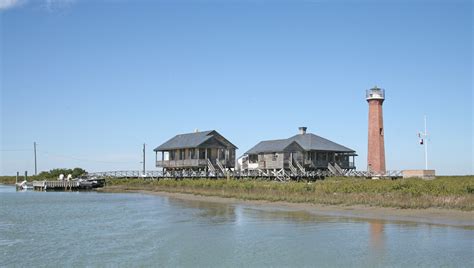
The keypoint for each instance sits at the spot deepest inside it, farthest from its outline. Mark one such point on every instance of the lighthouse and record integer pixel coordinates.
(376, 150)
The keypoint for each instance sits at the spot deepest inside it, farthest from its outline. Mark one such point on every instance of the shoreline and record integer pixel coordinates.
(435, 216)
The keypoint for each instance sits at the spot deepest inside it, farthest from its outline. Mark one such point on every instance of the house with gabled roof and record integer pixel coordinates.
(298, 154)
(197, 151)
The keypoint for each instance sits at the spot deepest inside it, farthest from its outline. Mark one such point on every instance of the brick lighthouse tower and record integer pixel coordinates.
(376, 150)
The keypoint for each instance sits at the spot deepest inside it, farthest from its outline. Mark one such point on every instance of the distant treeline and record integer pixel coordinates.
(46, 175)
(54, 173)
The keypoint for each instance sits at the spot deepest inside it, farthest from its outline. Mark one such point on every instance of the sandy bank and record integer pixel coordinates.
(428, 216)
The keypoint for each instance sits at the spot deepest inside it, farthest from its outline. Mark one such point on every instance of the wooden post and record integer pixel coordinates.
(207, 164)
(144, 168)
(36, 170)
(226, 156)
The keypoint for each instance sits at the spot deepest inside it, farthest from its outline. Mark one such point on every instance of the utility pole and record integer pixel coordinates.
(426, 147)
(144, 159)
(424, 141)
(36, 169)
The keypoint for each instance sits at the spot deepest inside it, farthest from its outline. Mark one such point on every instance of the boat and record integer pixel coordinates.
(24, 186)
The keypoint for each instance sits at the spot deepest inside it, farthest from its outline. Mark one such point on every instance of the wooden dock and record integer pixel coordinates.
(55, 185)
(67, 185)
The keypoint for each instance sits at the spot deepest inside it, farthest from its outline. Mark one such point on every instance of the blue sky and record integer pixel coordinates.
(91, 81)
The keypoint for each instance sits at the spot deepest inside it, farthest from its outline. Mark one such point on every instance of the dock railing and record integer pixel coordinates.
(259, 173)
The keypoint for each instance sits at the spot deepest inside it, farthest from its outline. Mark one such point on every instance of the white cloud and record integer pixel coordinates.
(47, 4)
(6, 4)
(57, 4)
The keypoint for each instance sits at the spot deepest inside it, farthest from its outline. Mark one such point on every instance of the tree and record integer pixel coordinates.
(54, 173)
(78, 172)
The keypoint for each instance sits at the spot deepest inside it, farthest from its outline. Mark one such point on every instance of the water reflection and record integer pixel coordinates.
(269, 214)
(244, 215)
(219, 213)
(376, 235)
(376, 242)
(208, 212)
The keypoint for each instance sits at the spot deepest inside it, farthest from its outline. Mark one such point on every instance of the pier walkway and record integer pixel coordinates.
(55, 185)
(281, 175)
(67, 185)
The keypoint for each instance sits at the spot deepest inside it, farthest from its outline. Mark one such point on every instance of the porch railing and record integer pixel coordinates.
(182, 163)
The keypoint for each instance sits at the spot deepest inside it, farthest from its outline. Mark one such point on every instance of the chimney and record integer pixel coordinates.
(302, 130)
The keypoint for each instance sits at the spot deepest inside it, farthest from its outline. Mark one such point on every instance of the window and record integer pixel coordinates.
(381, 131)
(274, 157)
(253, 158)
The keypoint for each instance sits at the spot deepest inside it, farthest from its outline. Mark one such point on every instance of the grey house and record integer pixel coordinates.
(198, 151)
(298, 154)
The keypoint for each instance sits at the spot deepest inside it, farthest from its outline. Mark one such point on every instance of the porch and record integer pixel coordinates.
(321, 159)
(195, 157)
(308, 160)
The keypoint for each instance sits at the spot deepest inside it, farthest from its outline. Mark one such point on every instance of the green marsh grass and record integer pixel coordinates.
(455, 192)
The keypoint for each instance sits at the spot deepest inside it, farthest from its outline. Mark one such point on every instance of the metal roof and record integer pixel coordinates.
(308, 141)
(269, 146)
(311, 142)
(188, 140)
